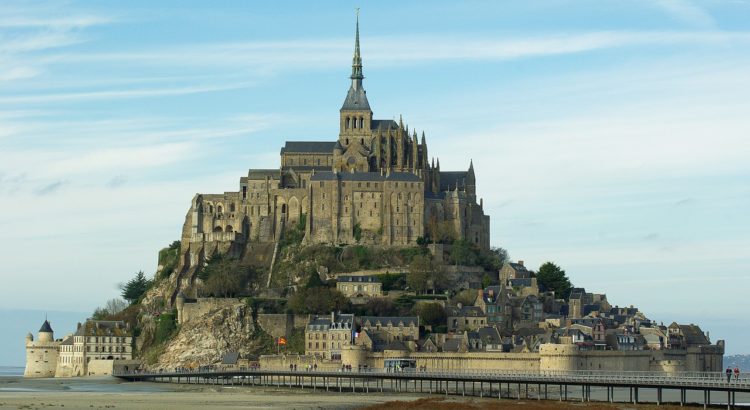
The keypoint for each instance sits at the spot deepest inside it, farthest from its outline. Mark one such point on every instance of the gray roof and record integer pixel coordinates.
(393, 320)
(468, 311)
(230, 358)
(368, 278)
(452, 345)
(68, 341)
(489, 335)
(449, 179)
(384, 124)
(365, 176)
(356, 100)
(324, 322)
(263, 173)
(323, 147)
(46, 328)
(522, 282)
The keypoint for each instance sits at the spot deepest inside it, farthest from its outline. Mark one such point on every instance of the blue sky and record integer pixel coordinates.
(609, 137)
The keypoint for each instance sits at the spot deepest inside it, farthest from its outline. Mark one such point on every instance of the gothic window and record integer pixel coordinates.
(361, 122)
(244, 192)
(219, 209)
(348, 122)
(362, 141)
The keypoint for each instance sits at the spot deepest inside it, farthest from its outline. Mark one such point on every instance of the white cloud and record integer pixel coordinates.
(687, 11)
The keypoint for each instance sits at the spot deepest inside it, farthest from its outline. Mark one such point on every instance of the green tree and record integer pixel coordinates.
(486, 281)
(463, 253)
(419, 270)
(318, 301)
(432, 314)
(552, 277)
(135, 288)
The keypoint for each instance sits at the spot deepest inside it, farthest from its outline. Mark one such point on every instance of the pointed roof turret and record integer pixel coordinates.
(356, 98)
(46, 328)
(357, 59)
(423, 143)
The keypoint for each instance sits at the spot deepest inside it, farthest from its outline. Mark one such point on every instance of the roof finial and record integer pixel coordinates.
(357, 60)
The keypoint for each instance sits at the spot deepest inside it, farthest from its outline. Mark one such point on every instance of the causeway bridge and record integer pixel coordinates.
(620, 386)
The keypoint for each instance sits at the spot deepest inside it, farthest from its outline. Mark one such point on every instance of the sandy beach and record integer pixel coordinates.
(110, 393)
(107, 393)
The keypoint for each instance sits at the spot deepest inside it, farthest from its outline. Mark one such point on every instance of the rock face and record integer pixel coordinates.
(206, 338)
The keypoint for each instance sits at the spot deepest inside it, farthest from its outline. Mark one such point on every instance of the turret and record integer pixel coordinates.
(355, 115)
(45, 333)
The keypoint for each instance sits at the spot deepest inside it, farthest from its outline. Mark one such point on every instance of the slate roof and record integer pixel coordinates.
(103, 328)
(356, 100)
(488, 335)
(522, 282)
(693, 335)
(324, 322)
(230, 358)
(263, 173)
(68, 341)
(449, 179)
(322, 147)
(452, 345)
(46, 328)
(466, 311)
(393, 320)
(384, 124)
(363, 279)
(365, 176)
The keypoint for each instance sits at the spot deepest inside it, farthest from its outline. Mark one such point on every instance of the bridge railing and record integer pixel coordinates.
(548, 376)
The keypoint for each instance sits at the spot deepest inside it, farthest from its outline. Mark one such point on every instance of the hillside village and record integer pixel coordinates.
(359, 252)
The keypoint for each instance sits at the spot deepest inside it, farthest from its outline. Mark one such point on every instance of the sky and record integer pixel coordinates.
(608, 137)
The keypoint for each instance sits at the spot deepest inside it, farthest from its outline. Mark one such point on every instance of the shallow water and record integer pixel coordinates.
(11, 371)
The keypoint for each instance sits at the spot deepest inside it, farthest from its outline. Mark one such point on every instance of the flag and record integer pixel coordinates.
(281, 341)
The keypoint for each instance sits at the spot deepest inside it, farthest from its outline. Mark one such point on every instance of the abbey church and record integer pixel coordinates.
(374, 185)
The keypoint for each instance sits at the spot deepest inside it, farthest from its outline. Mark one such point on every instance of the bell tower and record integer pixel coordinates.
(355, 116)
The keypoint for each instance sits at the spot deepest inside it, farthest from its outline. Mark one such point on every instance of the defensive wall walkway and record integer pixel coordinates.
(544, 385)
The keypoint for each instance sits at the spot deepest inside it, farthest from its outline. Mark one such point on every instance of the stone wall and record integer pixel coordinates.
(191, 309)
(281, 324)
(41, 358)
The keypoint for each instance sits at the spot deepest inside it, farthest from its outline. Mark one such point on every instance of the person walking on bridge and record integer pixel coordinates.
(736, 373)
(729, 374)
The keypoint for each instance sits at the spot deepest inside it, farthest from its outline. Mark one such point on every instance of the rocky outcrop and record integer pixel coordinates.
(205, 339)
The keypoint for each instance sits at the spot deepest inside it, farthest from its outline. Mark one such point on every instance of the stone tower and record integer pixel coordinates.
(41, 355)
(355, 118)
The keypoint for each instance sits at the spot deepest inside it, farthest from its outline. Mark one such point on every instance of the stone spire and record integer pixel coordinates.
(357, 76)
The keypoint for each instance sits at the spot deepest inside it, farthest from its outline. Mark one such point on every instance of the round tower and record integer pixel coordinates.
(41, 355)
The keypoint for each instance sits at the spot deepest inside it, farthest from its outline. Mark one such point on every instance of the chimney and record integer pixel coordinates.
(520, 263)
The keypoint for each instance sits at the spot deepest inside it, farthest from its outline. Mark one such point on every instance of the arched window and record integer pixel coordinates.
(219, 209)
(361, 122)
(348, 122)
(347, 141)
(362, 141)
(229, 229)
(217, 229)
